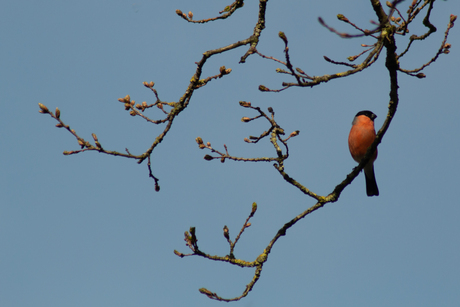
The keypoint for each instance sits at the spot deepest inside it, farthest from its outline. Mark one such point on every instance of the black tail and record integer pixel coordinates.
(371, 184)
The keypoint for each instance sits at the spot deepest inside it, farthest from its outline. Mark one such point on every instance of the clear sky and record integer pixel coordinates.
(89, 229)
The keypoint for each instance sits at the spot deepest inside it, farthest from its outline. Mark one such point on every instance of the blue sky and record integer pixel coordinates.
(89, 229)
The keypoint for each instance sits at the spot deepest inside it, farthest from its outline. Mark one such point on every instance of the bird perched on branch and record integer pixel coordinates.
(362, 135)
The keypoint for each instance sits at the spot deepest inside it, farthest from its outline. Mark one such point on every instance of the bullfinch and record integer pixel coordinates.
(362, 135)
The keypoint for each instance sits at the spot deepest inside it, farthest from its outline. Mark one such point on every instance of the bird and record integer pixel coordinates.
(362, 135)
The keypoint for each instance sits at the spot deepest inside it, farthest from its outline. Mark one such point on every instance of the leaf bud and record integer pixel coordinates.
(352, 58)
(283, 37)
(245, 104)
(342, 18)
(43, 108)
(254, 208)
(263, 88)
(178, 254)
(245, 119)
(226, 233)
(301, 71)
(208, 158)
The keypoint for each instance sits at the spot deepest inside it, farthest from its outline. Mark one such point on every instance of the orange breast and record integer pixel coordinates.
(362, 134)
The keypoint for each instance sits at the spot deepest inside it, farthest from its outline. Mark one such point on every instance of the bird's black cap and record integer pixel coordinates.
(367, 113)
